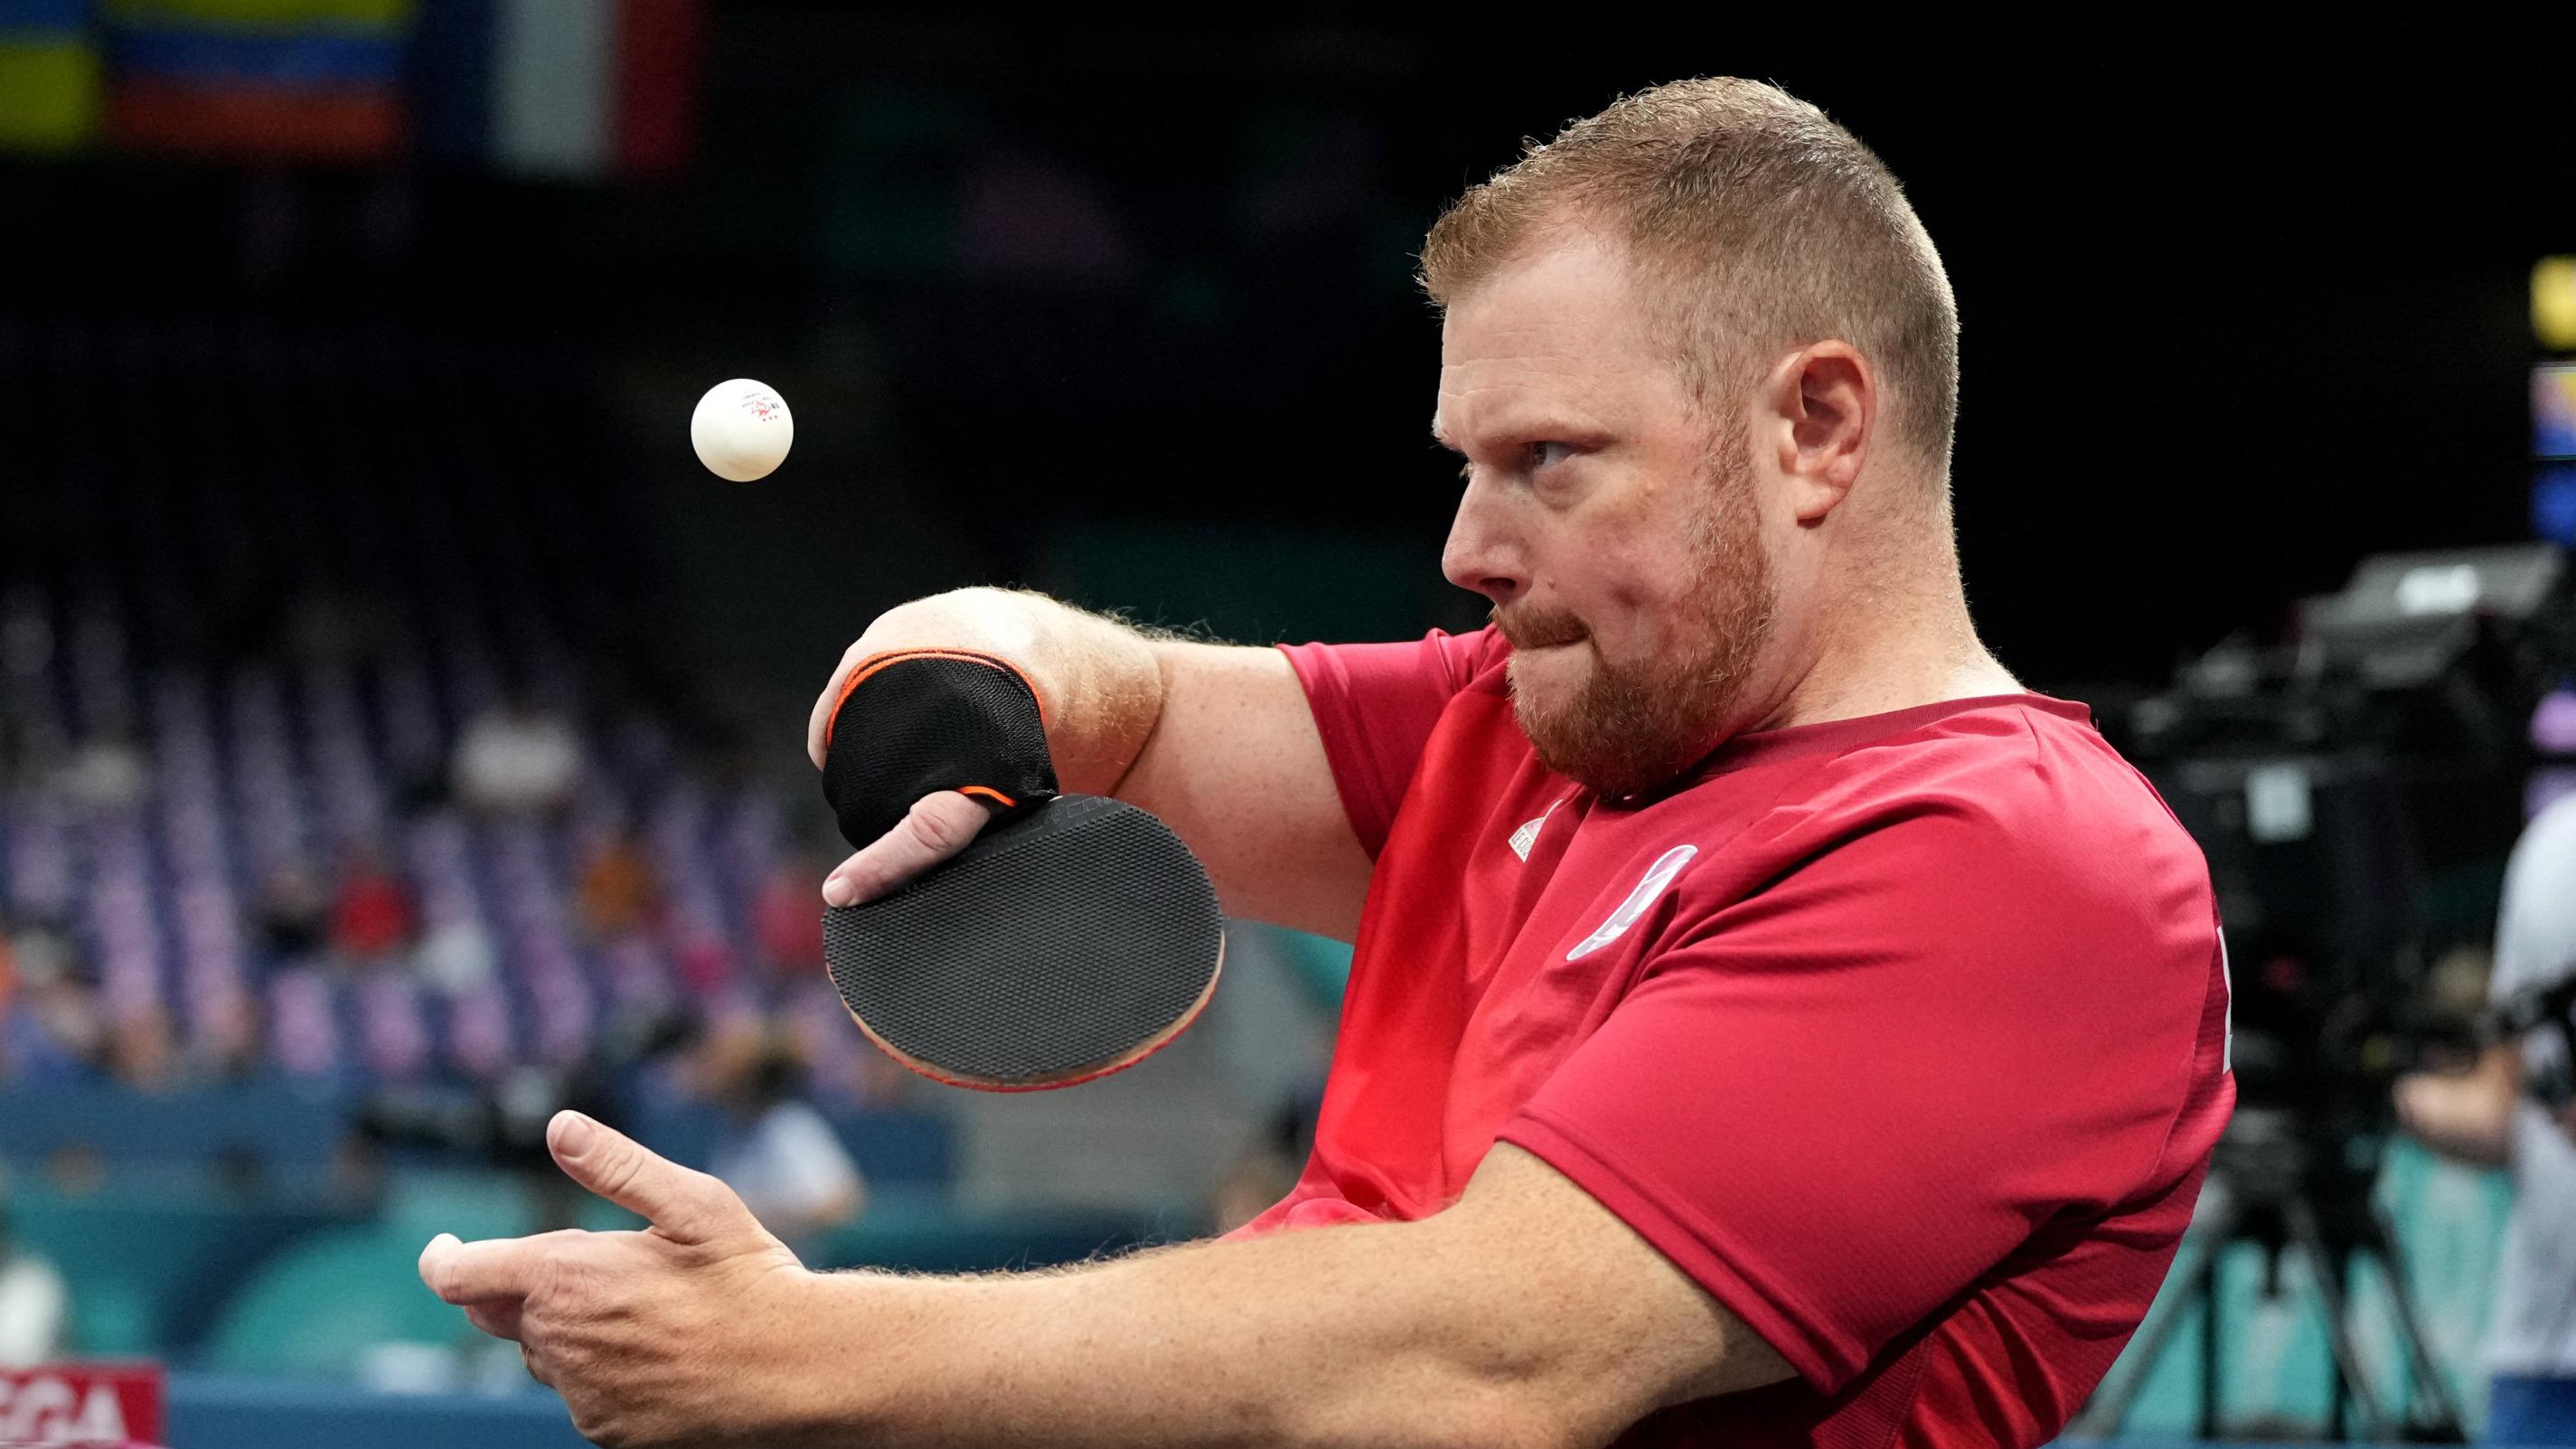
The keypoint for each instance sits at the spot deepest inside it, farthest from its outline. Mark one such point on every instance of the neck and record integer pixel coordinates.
(1890, 639)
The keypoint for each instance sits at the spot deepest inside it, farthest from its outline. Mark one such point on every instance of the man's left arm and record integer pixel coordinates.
(1525, 1315)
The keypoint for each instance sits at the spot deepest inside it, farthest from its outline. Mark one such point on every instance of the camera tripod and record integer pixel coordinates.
(2268, 1186)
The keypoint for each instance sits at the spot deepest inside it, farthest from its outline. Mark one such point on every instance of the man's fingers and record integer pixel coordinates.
(499, 1270)
(687, 1206)
(937, 827)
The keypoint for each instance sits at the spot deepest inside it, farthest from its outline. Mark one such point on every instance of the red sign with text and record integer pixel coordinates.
(81, 1403)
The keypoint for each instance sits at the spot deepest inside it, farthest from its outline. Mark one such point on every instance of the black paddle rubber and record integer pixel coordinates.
(1060, 946)
(1075, 936)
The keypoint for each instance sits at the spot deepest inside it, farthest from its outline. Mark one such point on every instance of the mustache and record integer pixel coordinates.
(1528, 627)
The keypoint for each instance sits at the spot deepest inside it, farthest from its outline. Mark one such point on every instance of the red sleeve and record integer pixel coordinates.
(1375, 705)
(1838, 1103)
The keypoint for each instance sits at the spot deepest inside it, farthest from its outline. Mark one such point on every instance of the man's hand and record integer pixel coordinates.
(939, 826)
(1080, 668)
(684, 1333)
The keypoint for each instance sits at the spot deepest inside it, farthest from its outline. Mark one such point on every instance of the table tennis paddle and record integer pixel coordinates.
(1075, 936)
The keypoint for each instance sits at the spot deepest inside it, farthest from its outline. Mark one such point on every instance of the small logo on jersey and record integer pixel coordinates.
(1527, 836)
(1651, 885)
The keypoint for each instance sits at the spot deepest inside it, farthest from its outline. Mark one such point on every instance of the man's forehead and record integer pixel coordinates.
(1559, 328)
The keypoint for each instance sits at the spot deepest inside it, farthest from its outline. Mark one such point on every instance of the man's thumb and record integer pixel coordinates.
(687, 1206)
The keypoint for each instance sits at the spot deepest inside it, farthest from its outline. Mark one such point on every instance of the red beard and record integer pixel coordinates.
(1629, 727)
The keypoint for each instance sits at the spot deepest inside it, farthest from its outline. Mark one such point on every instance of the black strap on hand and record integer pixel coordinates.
(918, 721)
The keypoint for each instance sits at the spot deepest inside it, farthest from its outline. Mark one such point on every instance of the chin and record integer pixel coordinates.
(1546, 683)
(1618, 732)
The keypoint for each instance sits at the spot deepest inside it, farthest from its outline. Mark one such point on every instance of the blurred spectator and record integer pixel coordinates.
(106, 773)
(517, 758)
(778, 1152)
(371, 915)
(227, 1040)
(140, 1051)
(2485, 1116)
(455, 956)
(42, 951)
(705, 963)
(620, 894)
(294, 918)
(55, 1029)
(33, 1305)
(787, 917)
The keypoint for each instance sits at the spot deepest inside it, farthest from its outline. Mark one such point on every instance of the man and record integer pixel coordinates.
(2482, 1116)
(1768, 1025)
(779, 1154)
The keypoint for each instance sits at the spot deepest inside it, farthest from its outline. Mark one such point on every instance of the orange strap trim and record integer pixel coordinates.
(989, 793)
(875, 662)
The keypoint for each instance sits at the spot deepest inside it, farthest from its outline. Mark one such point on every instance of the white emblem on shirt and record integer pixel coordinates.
(1527, 836)
(1649, 886)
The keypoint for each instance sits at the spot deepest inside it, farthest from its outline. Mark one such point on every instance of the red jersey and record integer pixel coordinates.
(1904, 1036)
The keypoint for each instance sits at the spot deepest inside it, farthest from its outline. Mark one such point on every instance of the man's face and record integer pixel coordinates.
(1615, 528)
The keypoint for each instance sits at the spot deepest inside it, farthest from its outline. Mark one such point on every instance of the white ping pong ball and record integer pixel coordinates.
(742, 430)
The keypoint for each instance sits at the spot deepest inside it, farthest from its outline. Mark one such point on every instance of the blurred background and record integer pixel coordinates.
(401, 734)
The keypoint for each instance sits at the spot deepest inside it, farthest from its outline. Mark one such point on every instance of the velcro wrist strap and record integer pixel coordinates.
(914, 722)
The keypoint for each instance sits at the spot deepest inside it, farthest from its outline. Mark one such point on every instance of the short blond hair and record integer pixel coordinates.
(1771, 226)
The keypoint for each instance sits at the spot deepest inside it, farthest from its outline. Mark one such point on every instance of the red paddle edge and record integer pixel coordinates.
(1076, 1078)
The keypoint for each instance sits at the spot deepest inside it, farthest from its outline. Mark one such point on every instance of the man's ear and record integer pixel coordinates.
(1823, 401)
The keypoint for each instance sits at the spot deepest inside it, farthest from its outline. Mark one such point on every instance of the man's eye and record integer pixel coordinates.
(1543, 454)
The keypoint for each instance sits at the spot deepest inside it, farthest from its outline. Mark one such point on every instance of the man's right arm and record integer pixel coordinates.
(1217, 740)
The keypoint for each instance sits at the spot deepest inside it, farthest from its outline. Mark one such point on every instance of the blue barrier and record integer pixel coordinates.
(272, 1125)
(219, 1411)
(148, 1269)
(269, 1122)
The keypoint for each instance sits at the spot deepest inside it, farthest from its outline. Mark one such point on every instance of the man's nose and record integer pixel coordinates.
(1481, 555)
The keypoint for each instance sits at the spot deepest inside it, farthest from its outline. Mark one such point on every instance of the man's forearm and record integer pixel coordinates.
(1302, 1339)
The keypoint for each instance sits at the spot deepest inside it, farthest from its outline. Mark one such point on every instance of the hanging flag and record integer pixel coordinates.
(271, 79)
(550, 86)
(49, 75)
(572, 89)
(583, 88)
(657, 83)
